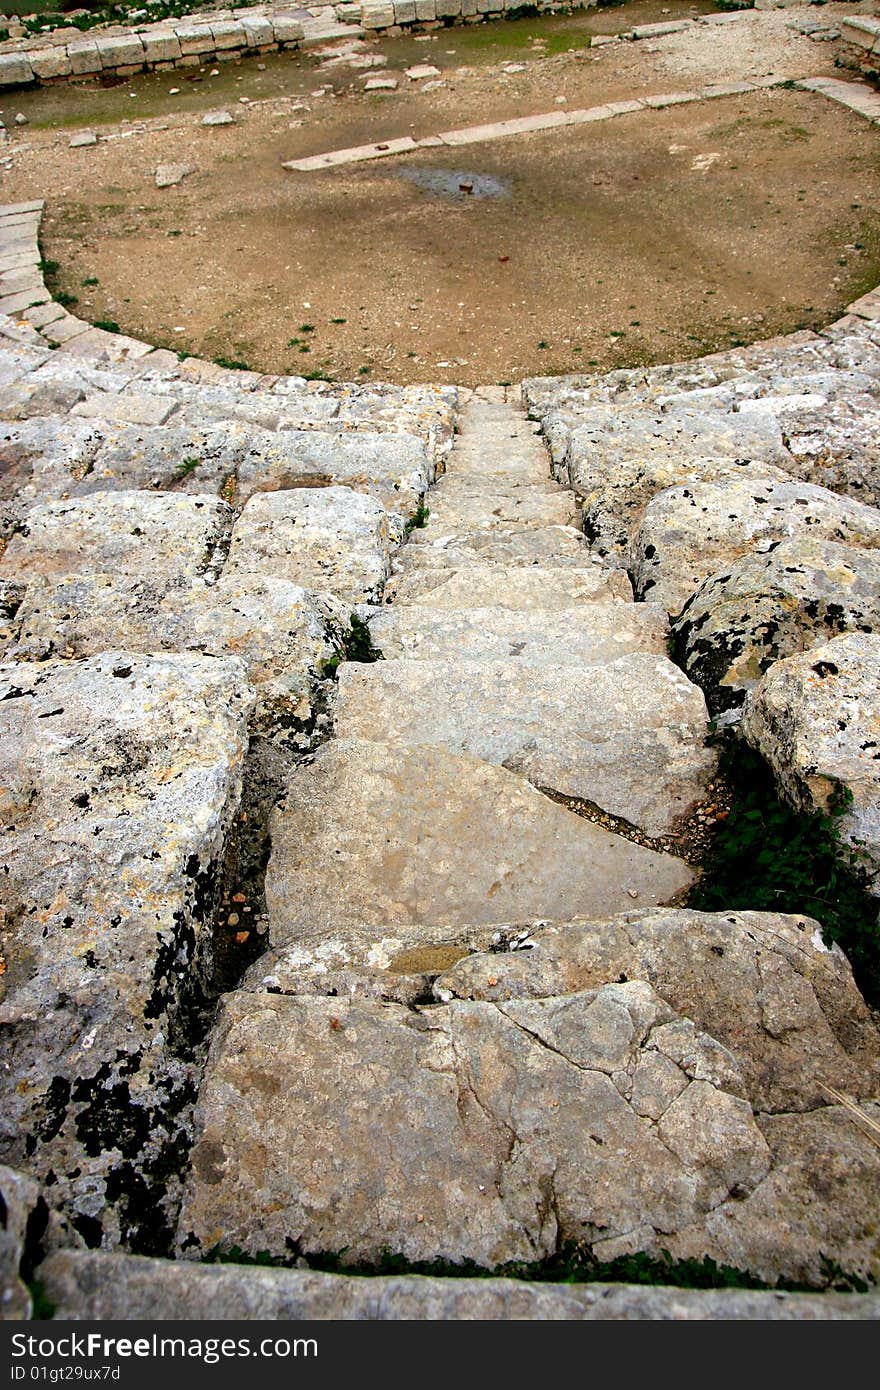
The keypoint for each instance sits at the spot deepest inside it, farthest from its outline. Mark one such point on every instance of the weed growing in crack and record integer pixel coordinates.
(418, 519)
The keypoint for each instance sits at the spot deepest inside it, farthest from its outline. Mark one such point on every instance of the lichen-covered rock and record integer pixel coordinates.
(762, 983)
(371, 833)
(543, 637)
(19, 1199)
(773, 604)
(446, 1146)
(42, 461)
(328, 538)
(172, 539)
(629, 735)
(178, 457)
(690, 532)
(119, 777)
(815, 718)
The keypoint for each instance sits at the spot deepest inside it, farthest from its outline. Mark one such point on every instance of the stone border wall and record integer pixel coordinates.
(861, 46)
(72, 55)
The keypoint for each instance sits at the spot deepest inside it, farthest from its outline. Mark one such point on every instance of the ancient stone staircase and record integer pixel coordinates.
(471, 1020)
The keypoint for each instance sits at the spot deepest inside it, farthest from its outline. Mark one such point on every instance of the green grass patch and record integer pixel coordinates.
(108, 325)
(418, 519)
(232, 364)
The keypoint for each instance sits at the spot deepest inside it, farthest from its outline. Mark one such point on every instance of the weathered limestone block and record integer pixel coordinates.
(160, 45)
(762, 983)
(288, 29)
(257, 28)
(120, 776)
(167, 536)
(49, 62)
(15, 70)
(322, 538)
(545, 637)
(91, 1285)
(178, 457)
(41, 460)
(815, 718)
(395, 469)
(370, 833)
(839, 448)
(518, 588)
(283, 635)
(770, 605)
(629, 736)
(442, 1148)
(120, 50)
(19, 1196)
(84, 58)
(690, 532)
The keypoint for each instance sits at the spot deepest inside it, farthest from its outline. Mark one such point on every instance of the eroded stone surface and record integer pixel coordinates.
(19, 1196)
(773, 604)
(120, 775)
(688, 533)
(90, 1285)
(629, 735)
(371, 833)
(815, 718)
(519, 588)
(543, 637)
(321, 538)
(172, 539)
(762, 983)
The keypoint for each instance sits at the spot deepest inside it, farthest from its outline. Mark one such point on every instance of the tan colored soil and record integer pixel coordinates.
(654, 236)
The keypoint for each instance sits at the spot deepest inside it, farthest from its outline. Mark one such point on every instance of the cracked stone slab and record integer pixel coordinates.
(542, 637)
(41, 461)
(375, 834)
(178, 457)
(629, 735)
(815, 718)
(131, 533)
(762, 983)
(770, 605)
(688, 533)
(329, 538)
(120, 777)
(464, 1164)
(517, 588)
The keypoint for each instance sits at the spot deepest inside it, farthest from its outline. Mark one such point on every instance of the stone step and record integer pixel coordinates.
(558, 547)
(491, 510)
(373, 833)
(92, 1285)
(629, 736)
(500, 1131)
(518, 588)
(545, 637)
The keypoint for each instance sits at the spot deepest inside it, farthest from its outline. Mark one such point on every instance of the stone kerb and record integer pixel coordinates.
(64, 55)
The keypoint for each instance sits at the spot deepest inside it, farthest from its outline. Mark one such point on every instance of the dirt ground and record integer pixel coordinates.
(654, 236)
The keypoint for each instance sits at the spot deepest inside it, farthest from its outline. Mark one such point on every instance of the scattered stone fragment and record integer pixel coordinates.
(422, 70)
(168, 175)
(218, 118)
(82, 139)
